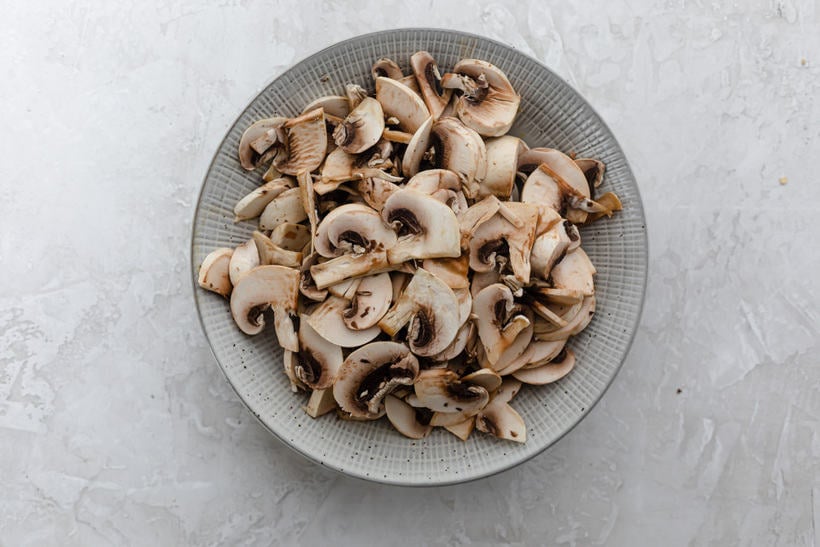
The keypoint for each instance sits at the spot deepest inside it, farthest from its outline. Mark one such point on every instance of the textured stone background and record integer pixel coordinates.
(116, 425)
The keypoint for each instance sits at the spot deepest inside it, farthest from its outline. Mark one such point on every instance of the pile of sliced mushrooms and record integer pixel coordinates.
(418, 262)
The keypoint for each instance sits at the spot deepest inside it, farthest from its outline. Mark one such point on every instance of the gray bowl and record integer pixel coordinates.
(552, 114)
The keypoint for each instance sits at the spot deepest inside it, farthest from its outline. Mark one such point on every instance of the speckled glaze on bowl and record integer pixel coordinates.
(552, 114)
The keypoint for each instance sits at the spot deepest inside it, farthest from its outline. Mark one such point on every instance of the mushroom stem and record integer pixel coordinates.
(347, 266)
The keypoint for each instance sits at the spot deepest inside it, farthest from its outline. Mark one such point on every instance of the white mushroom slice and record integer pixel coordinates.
(498, 237)
(548, 373)
(254, 203)
(376, 191)
(461, 150)
(371, 373)
(306, 144)
(465, 303)
(345, 289)
(320, 403)
(429, 82)
(370, 302)
(463, 429)
(499, 321)
(353, 228)
(403, 103)
(482, 280)
(449, 419)
(431, 180)
(214, 273)
(328, 320)
(355, 95)
(262, 287)
(362, 128)
(440, 390)
(401, 137)
(248, 157)
(286, 207)
(411, 83)
(574, 272)
(545, 352)
(308, 197)
(306, 284)
(386, 68)
(245, 258)
(347, 266)
(405, 418)
(416, 148)
(485, 377)
(333, 105)
(561, 296)
(431, 308)
(488, 103)
(271, 174)
(318, 361)
(288, 362)
(559, 163)
(576, 325)
(502, 421)
(457, 345)
(547, 249)
(426, 228)
(453, 271)
(399, 280)
(476, 215)
(502, 164)
(270, 253)
(290, 236)
(540, 188)
(517, 348)
(593, 171)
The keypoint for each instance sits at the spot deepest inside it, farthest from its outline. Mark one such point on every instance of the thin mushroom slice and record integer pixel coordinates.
(401, 102)
(488, 103)
(557, 162)
(457, 345)
(429, 83)
(502, 421)
(318, 361)
(546, 352)
(252, 205)
(307, 286)
(463, 429)
(362, 128)
(321, 402)
(405, 418)
(286, 207)
(345, 289)
(593, 171)
(416, 148)
(250, 158)
(548, 373)
(578, 323)
(353, 228)
(476, 215)
(262, 287)
(348, 266)
(459, 149)
(290, 236)
(306, 143)
(214, 273)
(426, 228)
(453, 271)
(328, 320)
(308, 197)
(431, 180)
(245, 257)
(386, 68)
(370, 302)
(502, 165)
(441, 390)
(270, 253)
(499, 321)
(485, 377)
(574, 272)
(549, 248)
(288, 363)
(498, 237)
(333, 105)
(375, 191)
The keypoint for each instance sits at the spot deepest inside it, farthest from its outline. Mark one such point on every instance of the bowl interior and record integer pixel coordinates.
(552, 114)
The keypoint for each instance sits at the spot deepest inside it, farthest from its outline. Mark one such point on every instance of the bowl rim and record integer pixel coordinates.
(353, 473)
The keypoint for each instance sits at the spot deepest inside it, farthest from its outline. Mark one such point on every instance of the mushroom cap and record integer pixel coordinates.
(441, 390)
(405, 418)
(499, 321)
(328, 320)
(264, 286)
(489, 103)
(245, 257)
(214, 273)
(352, 228)
(286, 207)
(426, 227)
(547, 373)
(371, 373)
(461, 150)
(401, 102)
(429, 82)
(318, 361)
(370, 302)
(252, 205)
(502, 165)
(306, 143)
(362, 128)
(248, 157)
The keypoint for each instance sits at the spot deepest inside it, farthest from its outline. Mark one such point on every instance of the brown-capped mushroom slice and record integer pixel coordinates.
(370, 302)
(306, 284)
(262, 287)
(463, 429)
(502, 421)
(306, 143)
(252, 205)
(290, 236)
(429, 82)
(441, 390)
(371, 373)
(286, 207)
(488, 103)
(431, 308)
(548, 373)
(499, 319)
(498, 237)
(249, 158)
(214, 273)
(352, 228)
(321, 402)
(333, 105)
(574, 272)
(318, 361)
(426, 228)
(328, 320)
(362, 128)
(245, 258)
(578, 323)
(458, 148)
(502, 165)
(593, 171)
(407, 420)
(453, 271)
(270, 253)
(399, 101)
(411, 83)
(386, 68)
(416, 148)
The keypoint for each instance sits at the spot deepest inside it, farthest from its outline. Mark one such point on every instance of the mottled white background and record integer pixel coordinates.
(116, 425)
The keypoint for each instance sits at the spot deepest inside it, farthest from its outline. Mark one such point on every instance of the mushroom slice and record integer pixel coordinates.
(386, 68)
(320, 403)
(429, 82)
(431, 180)
(440, 390)
(214, 273)
(461, 150)
(306, 143)
(352, 228)
(476, 215)
(453, 271)
(536, 354)
(333, 105)
(288, 362)
(517, 348)
(465, 304)
(270, 253)
(574, 272)
(286, 207)
(548, 373)
(566, 297)
(355, 95)
(263, 287)
(488, 103)
(485, 377)
(249, 158)
(499, 237)
(502, 421)
(557, 162)
(375, 191)
(245, 258)
(499, 321)
(318, 361)
(593, 171)
(290, 236)
(347, 266)
(406, 419)
(426, 228)
(431, 308)
(548, 249)
(416, 148)
(308, 197)
(463, 429)
(578, 323)
(271, 174)
(371, 373)
(401, 102)
(328, 320)
(362, 128)
(370, 302)
(254, 203)
(458, 344)
(306, 284)
(502, 165)
(345, 289)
